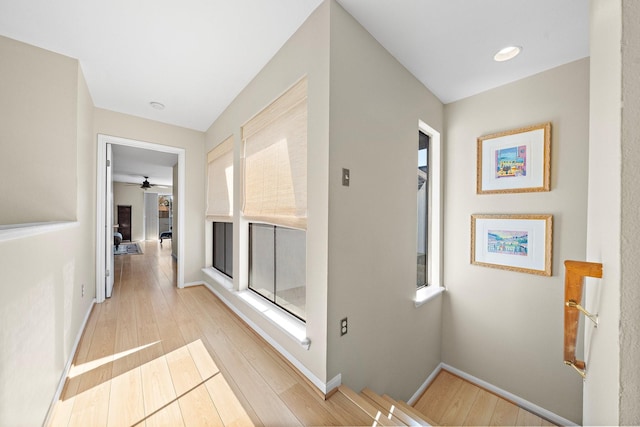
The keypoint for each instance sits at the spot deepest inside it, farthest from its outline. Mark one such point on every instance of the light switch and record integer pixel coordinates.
(345, 177)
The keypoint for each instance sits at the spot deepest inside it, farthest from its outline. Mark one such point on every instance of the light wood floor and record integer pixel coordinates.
(451, 400)
(157, 355)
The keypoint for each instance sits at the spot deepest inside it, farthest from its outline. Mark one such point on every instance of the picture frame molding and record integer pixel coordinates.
(482, 164)
(548, 243)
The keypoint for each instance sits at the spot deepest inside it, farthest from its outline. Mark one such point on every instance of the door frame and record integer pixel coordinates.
(101, 205)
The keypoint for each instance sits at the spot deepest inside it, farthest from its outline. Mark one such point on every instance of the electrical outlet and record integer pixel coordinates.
(343, 327)
(82, 290)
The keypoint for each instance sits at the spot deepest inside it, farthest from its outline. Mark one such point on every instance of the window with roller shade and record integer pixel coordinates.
(220, 204)
(275, 199)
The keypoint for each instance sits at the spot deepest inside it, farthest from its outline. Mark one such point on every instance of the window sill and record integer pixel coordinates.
(19, 231)
(222, 279)
(426, 294)
(289, 324)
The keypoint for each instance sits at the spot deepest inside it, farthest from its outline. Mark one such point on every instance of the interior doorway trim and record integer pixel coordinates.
(103, 140)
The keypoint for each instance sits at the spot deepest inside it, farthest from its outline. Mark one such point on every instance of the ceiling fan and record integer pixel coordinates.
(147, 185)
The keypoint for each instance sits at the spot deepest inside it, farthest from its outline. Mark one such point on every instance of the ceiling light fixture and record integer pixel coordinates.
(507, 53)
(157, 105)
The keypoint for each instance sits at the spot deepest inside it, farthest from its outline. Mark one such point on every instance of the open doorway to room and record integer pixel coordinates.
(147, 180)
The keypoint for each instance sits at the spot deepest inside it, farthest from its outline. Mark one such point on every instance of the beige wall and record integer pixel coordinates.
(305, 53)
(630, 222)
(39, 125)
(376, 104)
(125, 126)
(612, 387)
(41, 302)
(506, 327)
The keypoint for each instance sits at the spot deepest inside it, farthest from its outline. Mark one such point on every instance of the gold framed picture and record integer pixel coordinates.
(520, 243)
(515, 161)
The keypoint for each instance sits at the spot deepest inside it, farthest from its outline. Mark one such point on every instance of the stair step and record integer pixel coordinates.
(415, 414)
(364, 404)
(390, 406)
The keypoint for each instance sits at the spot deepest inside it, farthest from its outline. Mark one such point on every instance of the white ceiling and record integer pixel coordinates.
(195, 56)
(131, 164)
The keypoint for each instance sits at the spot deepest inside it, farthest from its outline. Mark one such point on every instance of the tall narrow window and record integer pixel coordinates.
(423, 208)
(275, 199)
(220, 204)
(223, 247)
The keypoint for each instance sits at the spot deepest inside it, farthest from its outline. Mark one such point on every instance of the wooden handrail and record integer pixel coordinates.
(575, 271)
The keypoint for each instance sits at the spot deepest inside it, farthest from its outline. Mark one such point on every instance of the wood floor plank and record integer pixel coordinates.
(198, 409)
(231, 411)
(505, 414)
(91, 407)
(157, 385)
(201, 357)
(436, 398)
(459, 407)
(168, 416)
(482, 409)
(126, 405)
(526, 418)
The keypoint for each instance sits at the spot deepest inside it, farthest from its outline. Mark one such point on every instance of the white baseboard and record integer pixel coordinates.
(424, 385)
(67, 366)
(324, 388)
(523, 403)
(186, 285)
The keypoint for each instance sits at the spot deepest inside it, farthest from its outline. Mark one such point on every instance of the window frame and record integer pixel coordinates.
(273, 301)
(227, 225)
(434, 227)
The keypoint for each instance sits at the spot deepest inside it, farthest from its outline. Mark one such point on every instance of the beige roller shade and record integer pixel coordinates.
(275, 165)
(220, 182)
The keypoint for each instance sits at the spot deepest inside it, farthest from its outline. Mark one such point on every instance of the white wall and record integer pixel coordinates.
(602, 385)
(612, 387)
(125, 126)
(506, 327)
(41, 303)
(376, 104)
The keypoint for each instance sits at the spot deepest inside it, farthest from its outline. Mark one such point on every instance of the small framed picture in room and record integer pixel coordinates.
(519, 243)
(514, 161)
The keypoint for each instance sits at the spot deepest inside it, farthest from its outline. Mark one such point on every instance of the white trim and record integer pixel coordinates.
(67, 366)
(19, 231)
(324, 388)
(220, 278)
(427, 293)
(435, 154)
(424, 385)
(103, 140)
(517, 400)
(192, 284)
(334, 383)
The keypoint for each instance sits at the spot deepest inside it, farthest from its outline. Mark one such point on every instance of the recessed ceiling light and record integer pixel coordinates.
(507, 53)
(157, 105)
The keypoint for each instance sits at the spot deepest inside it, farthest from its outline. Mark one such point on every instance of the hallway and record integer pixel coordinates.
(157, 355)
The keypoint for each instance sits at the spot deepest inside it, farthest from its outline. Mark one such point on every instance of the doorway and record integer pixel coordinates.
(124, 222)
(104, 243)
